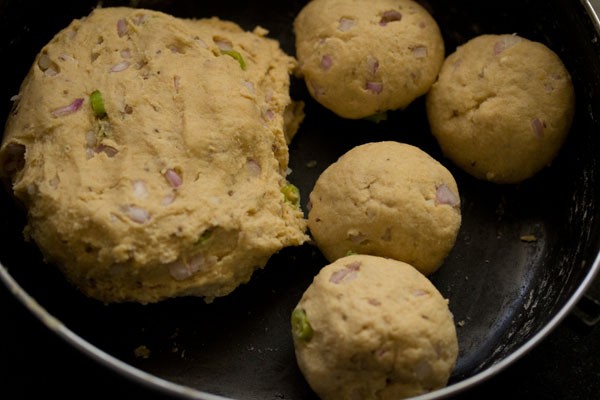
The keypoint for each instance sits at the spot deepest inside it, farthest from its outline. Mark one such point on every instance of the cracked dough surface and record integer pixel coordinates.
(380, 330)
(361, 57)
(176, 191)
(502, 107)
(388, 199)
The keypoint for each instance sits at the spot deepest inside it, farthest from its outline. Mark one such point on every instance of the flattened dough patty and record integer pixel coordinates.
(373, 328)
(167, 182)
(502, 107)
(363, 57)
(388, 199)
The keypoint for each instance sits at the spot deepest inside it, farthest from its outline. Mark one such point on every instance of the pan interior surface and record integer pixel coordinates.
(502, 290)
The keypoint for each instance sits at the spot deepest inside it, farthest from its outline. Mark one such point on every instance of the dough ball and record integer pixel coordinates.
(150, 153)
(363, 57)
(373, 328)
(502, 107)
(387, 199)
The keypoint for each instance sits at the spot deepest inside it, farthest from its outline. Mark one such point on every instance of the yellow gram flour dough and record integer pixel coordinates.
(388, 199)
(373, 328)
(150, 153)
(502, 107)
(363, 57)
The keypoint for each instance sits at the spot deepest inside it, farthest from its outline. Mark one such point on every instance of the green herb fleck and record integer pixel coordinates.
(377, 118)
(204, 237)
(98, 104)
(291, 194)
(301, 328)
(237, 56)
(351, 253)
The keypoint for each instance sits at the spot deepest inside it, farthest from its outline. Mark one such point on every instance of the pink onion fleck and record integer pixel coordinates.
(179, 270)
(538, 126)
(139, 189)
(357, 237)
(126, 53)
(317, 90)
(70, 109)
(268, 115)
(374, 87)
(346, 24)
(373, 302)
(506, 42)
(249, 86)
(445, 195)
(253, 168)
(389, 16)
(122, 27)
(222, 43)
(122, 66)
(136, 214)
(139, 19)
(419, 51)
(108, 150)
(326, 62)
(174, 179)
(168, 199)
(372, 65)
(347, 274)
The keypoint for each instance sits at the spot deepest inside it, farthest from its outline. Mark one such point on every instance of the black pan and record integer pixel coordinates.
(506, 294)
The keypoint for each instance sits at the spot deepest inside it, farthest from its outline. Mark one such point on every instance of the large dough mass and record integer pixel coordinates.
(176, 190)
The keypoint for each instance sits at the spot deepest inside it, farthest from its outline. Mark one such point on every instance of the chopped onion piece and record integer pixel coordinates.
(372, 65)
(347, 274)
(70, 109)
(122, 66)
(139, 189)
(108, 150)
(222, 43)
(122, 27)
(253, 168)
(174, 179)
(419, 51)
(505, 43)
(326, 62)
(390, 16)
(179, 270)
(538, 126)
(445, 195)
(374, 87)
(136, 214)
(346, 24)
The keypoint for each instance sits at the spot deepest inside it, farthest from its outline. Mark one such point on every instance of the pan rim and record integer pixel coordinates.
(165, 386)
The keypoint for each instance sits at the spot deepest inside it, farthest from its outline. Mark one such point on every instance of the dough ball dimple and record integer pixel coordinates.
(150, 153)
(364, 57)
(502, 107)
(388, 199)
(373, 328)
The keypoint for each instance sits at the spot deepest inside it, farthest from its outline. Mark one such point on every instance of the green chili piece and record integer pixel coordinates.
(301, 328)
(204, 237)
(98, 104)
(291, 194)
(237, 56)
